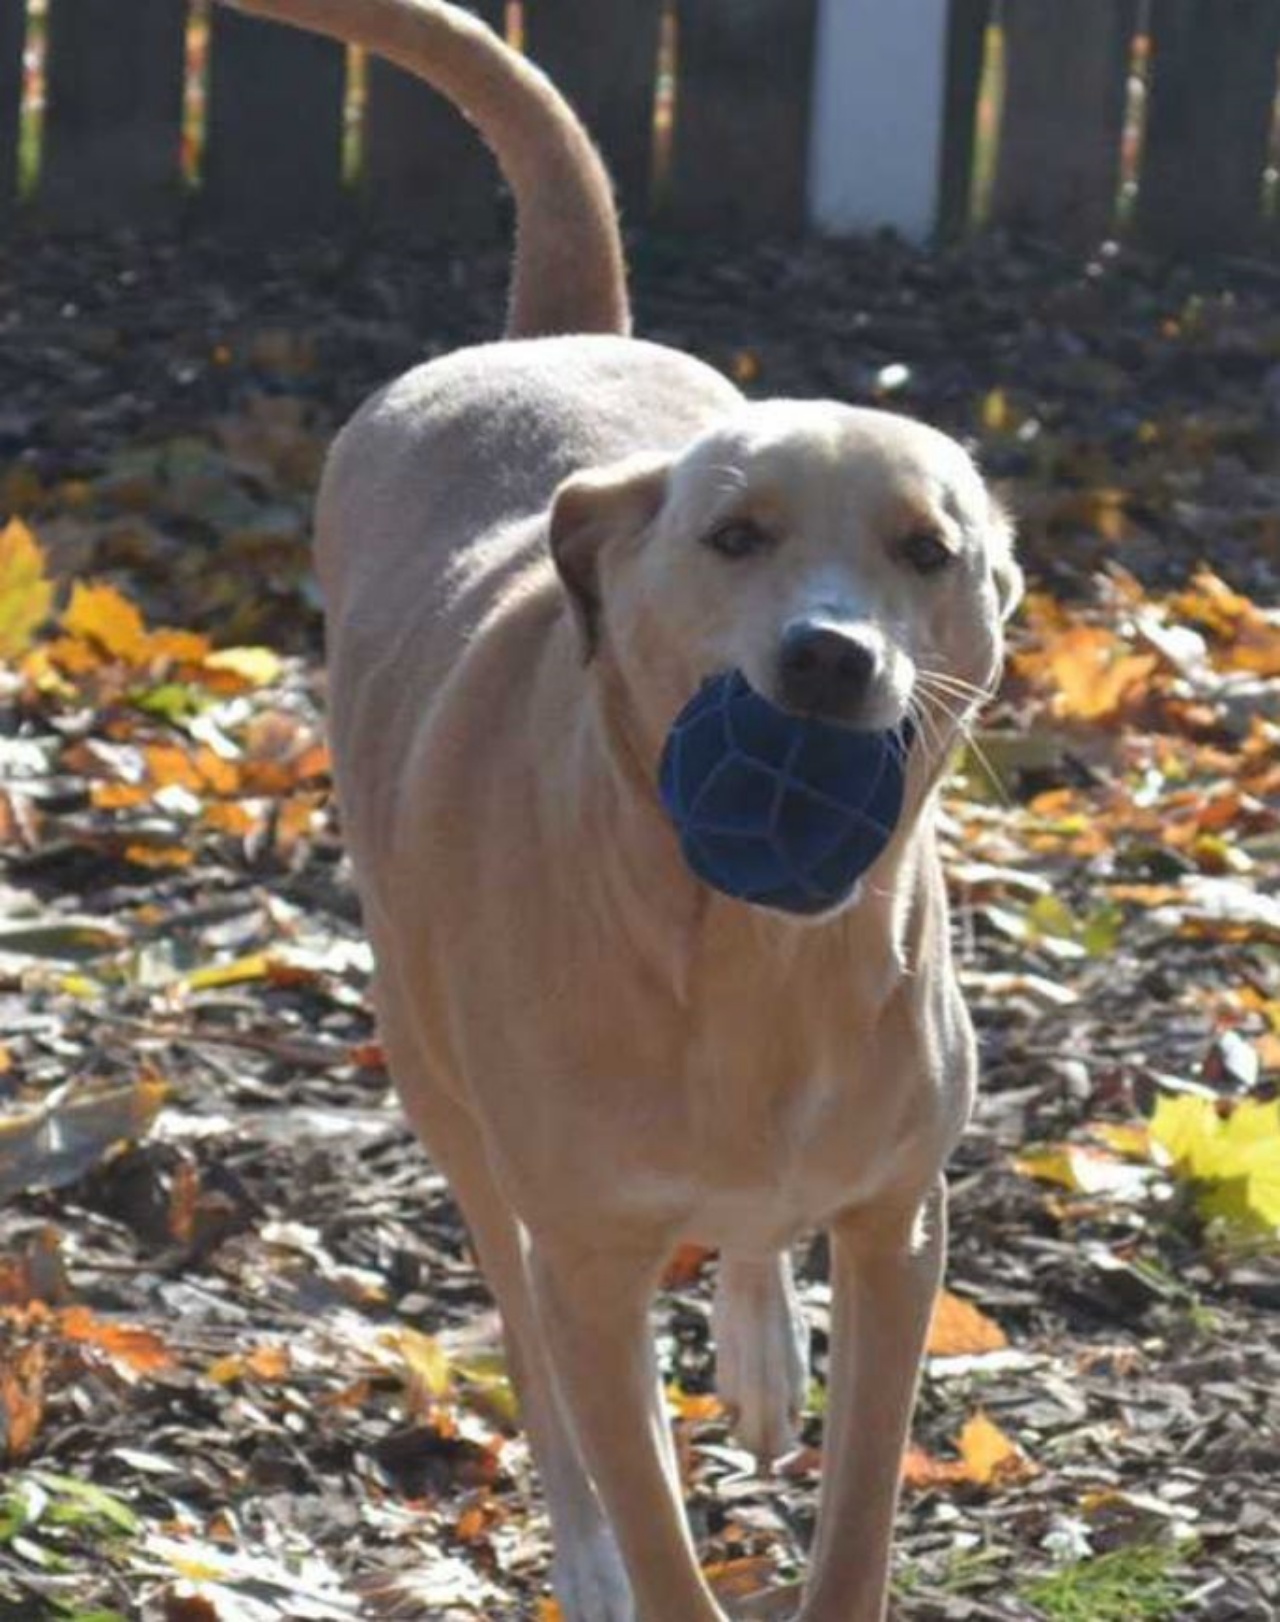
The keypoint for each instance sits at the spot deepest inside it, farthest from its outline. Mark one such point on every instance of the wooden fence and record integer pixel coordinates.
(1073, 118)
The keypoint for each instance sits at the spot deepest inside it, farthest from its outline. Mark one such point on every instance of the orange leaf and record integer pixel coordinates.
(132, 1349)
(474, 1522)
(263, 1363)
(685, 1266)
(739, 1579)
(170, 766)
(921, 1469)
(26, 595)
(119, 796)
(230, 817)
(159, 855)
(1095, 673)
(987, 1458)
(367, 1056)
(989, 1455)
(269, 1362)
(695, 1407)
(100, 614)
(21, 1399)
(168, 646)
(958, 1329)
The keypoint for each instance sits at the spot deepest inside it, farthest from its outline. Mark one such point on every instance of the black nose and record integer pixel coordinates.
(823, 670)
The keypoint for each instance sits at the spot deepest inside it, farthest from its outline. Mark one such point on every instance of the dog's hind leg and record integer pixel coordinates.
(588, 1575)
(762, 1351)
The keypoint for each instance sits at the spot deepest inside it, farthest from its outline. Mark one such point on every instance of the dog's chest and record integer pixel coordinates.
(803, 1111)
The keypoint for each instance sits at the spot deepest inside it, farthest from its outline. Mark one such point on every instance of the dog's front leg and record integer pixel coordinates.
(593, 1308)
(886, 1268)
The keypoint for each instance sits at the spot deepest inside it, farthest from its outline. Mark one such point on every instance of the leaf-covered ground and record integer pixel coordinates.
(247, 1368)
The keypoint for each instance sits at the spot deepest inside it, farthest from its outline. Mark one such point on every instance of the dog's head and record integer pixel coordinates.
(851, 563)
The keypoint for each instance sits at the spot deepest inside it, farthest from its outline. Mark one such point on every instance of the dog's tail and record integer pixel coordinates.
(569, 274)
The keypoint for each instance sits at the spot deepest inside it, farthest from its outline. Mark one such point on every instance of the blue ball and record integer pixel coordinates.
(781, 810)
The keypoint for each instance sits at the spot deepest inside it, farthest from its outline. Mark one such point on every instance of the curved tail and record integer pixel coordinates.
(569, 274)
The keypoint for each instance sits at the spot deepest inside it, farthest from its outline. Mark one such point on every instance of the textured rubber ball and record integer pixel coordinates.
(780, 810)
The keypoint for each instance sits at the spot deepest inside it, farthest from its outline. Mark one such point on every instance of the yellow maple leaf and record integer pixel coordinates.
(103, 616)
(1235, 1156)
(26, 593)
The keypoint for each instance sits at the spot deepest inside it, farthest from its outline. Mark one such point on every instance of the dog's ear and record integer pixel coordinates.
(1004, 566)
(590, 509)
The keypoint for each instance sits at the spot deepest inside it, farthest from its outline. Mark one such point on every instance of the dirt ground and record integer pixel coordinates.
(247, 1367)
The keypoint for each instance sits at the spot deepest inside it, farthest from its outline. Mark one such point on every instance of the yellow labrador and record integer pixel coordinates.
(532, 553)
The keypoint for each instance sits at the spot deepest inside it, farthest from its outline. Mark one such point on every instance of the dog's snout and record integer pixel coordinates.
(825, 670)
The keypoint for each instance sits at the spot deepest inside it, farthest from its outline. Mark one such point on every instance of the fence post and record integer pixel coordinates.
(604, 58)
(740, 146)
(273, 147)
(967, 24)
(424, 171)
(1066, 72)
(113, 125)
(878, 114)
(1213, 83)
(13, 31)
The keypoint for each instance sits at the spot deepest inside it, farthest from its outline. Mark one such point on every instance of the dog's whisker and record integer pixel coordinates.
(926, 720)
(956, 684)
(964, 727)
(969, 691)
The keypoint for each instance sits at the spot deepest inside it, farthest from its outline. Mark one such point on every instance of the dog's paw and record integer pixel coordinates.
(590, 1581)
(762, 1352)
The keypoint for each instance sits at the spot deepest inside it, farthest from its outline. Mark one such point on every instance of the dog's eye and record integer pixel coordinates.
(739, 538)
(926, 552)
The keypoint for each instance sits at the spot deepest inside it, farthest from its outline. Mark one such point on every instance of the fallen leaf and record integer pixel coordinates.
(253, 667)
(959, 1329)
(103, 616)
(26, 594)
(132, 1349)
(22, 1385)
(1084, 1170)
(59, 1140)
(686, 1266)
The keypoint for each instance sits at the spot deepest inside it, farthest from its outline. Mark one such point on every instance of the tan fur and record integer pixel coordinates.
(604, 1056)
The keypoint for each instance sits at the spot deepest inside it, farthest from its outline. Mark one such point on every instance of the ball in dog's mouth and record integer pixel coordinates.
(779, 810)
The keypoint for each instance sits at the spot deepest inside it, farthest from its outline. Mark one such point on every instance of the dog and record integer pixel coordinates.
(532, 553)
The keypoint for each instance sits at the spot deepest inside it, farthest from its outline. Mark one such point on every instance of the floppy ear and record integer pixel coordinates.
(590, 509)
(1004, 566)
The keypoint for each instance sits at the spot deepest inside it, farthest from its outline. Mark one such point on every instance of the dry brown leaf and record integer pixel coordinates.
(180, 1607)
